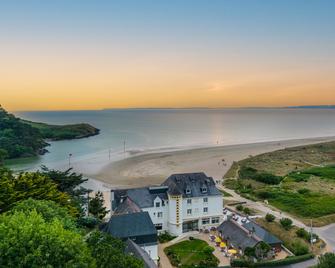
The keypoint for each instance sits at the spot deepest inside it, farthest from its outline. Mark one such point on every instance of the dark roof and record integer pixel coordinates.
(143, 197)
(237, 235)
(261, 233)
(126, 207)
(135, 250)
(191, 185)
(131, 225)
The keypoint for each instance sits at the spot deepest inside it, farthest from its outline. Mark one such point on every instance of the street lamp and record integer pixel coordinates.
(70, 155)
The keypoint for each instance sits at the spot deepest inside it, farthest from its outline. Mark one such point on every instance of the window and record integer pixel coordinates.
(205, 210)
(188, 190)
(215, 220)
(189, 212)
(159, 226)
(205, 200)
(189, 201)
(205, 221)
(163, 203)
(204, 189)
(158, 204)
(160, 215)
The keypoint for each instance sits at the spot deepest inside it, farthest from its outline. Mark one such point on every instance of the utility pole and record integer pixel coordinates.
(109, 154)
(88, 203)
(124, 146)
(311, 233)
(70, 160)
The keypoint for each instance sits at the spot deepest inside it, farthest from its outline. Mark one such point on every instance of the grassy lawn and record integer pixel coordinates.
(189, 253)
(298, 180)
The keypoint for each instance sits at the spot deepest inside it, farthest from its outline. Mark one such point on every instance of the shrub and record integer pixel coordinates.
(304, 191)
(247, 211)
(251, 173)
(286, 223)
(240, 263)
(299, 248)
(302, 233)
(208, 250)
(285, 262)
(165, 237)
(264, 194)
(326, 261)
(239, 207)
(270, 217)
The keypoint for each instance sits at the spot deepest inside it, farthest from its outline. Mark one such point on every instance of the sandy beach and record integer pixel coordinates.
(153, 168)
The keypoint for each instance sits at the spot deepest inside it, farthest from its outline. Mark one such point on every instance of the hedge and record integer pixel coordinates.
(287, 261)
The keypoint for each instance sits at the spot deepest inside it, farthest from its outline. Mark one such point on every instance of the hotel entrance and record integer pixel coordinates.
(190, 226)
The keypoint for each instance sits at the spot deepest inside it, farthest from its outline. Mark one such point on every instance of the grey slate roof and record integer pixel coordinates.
(135, 250)
(237, 235)
(127, 207)
(131, 225)
(144, 197)
(179, 184)
(261, 233)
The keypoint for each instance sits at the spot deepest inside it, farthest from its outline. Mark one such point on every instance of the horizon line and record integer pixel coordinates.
(330, 106)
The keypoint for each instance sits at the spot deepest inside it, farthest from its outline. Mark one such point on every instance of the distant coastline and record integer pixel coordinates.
(222, 108)
(21, 138)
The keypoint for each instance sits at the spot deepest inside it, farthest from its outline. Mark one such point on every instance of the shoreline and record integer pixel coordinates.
(152, 168)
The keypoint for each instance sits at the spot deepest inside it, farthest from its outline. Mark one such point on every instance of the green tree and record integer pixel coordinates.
(67, 181)
(109, 252)
(96, 206)
(286, 223)
(27, 240)
(250, 252)
(14, 189)
(262, 249)
(49, 210)
(326, 261)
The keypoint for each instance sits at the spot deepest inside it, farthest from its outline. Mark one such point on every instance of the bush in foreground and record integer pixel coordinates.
(27, 240)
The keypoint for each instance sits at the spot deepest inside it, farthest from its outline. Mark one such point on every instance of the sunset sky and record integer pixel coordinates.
(77, 54)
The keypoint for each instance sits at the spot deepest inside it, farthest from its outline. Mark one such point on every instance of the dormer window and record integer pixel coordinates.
(204, 189)
(188, 190)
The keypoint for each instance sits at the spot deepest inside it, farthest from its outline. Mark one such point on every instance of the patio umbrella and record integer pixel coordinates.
(232, 251)
(218, 239)
(223, 245)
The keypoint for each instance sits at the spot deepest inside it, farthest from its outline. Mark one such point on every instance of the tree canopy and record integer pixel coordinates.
(96, 206)
(109, 252)
(27, 240)
(49, 210)
(18, 139)
(14, 189)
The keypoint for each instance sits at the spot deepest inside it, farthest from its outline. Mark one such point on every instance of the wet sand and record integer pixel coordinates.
(153, 168)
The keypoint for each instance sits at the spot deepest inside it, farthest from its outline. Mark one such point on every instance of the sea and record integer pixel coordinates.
(126, 132)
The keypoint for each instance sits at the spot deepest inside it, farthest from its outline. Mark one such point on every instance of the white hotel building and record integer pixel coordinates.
(184, 202)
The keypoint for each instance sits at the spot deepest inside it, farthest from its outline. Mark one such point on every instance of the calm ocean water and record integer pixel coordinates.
(174, 129)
